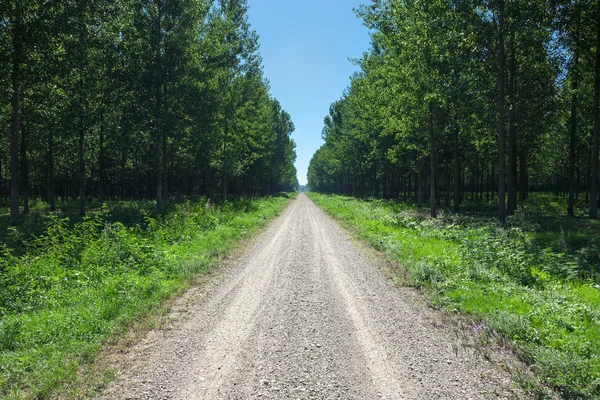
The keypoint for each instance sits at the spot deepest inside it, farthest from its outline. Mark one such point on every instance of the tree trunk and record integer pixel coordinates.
(573, 128)
(15, 125)
(124, 156)
(457, 172)
(512, 132)
(225, 183)
(432, 196)
(82, 180)
(523, 178)
(165, 138)
(158, 126)
(82, 107)
(24, 170)
(51, 181)
(165, 168)
(420, 188)
(596, 134)
(502, 118)
(101, 167)
(573, 143)
(447, 188)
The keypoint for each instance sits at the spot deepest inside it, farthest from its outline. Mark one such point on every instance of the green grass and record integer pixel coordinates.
(534, 282)
(65, 291)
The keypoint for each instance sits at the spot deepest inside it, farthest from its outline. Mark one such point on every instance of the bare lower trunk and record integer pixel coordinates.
(82, 180)
(457, 172)
(158, 124)
(512, 132)
(524, 177)
(101, 167)
(572, 150)
(158, 175)
(165, 168)
(51, 182)
(432, 192)
(502, 117)
(573, 128)
(596, 134)
(225, 184)
(15, 123)
(420, 188)
(24, 171)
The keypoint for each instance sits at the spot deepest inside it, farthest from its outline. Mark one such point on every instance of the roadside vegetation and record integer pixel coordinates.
(491, 110)
(114, 113)
(67, 286)
(534, 281)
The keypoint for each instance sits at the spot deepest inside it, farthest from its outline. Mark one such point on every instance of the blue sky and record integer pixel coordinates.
(305, 46)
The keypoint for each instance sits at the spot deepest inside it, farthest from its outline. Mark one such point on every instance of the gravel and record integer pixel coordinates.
(306, 314)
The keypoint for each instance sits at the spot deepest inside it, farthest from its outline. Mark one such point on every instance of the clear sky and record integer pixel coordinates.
(305, 46)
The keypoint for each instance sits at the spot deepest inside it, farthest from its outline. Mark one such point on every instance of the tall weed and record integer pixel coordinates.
(525, 281)
(65, 291)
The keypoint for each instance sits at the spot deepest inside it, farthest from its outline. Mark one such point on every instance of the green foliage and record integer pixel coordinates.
(422, 117)
(77, 284)
(129, 99)
(546, 302)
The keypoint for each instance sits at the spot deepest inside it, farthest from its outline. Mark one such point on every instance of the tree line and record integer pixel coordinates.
(479, 98)
(136, 99)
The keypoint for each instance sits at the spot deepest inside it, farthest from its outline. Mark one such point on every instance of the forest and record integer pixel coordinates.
(470, 101)
(466, 151)
(126, 100)
(140, 144)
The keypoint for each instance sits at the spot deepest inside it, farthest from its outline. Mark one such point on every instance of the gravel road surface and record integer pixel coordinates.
(306, 314)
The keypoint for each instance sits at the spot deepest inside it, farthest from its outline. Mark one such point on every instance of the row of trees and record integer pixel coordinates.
(136, 99)
(491, 97)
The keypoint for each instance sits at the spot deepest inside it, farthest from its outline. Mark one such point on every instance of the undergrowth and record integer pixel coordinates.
(65, 291)
(526, 281)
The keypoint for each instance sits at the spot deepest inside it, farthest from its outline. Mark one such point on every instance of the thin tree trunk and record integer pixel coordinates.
(124, 156)
(15, 126)
(596, 134)
(101, 167)
(82, 102)
(512, 132)
(158, 106)
(502, 118)
(165, 168)
(51, 181)
(409, 188)
(523, 178)
(420, 188)
(457, 172)
(432, 196)
(24, 170)
(447, 187)
(165, 159)
(82, 180)
(573, 144)
(573, 127)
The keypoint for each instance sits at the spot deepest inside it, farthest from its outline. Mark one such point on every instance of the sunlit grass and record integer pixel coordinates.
(542, 295)
(64, 292)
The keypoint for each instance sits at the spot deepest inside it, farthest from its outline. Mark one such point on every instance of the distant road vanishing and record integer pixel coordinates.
(307, 315)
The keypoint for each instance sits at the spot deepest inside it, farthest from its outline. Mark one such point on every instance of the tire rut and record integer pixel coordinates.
(307, 316)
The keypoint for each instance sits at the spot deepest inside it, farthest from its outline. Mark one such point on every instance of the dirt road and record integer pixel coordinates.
(306, 315)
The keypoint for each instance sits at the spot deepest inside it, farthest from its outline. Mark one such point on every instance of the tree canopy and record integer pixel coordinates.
(136, 99)
(492, 98)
